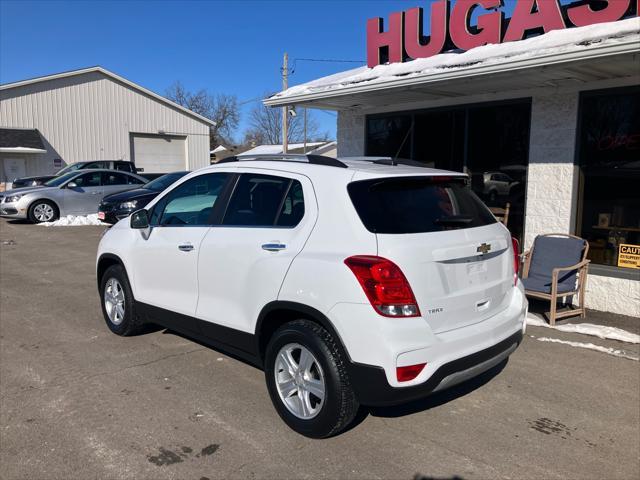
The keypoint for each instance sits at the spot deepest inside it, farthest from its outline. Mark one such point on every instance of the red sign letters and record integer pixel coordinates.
(451, 27)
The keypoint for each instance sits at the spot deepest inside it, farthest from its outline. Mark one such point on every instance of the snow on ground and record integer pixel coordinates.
(591, 346)
(554, 42)
(74, 221)
(600, 331)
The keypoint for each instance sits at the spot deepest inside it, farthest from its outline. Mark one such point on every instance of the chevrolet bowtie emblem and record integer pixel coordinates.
(484, 248)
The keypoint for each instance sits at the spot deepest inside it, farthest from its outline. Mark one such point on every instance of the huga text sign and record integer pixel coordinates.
(450, 25)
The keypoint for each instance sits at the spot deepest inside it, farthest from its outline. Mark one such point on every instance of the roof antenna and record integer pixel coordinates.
(394, 159)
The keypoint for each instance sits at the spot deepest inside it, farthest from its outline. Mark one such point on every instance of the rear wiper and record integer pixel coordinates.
(454, 220)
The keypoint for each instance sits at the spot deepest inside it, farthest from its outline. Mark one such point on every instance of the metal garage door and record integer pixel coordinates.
(159, 153)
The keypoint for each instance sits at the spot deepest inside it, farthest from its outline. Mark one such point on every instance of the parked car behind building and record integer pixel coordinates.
(74, 193)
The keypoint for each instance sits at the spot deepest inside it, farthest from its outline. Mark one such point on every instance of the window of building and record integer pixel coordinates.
(490, 142)
(609, 160)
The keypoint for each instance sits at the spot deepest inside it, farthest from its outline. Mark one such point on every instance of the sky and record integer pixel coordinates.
(230, 47)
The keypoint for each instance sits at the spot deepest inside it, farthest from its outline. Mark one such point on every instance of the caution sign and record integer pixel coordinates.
(629, 256)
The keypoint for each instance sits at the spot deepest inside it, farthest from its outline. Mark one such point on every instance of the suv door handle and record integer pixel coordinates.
(273, 247)
(185, 247)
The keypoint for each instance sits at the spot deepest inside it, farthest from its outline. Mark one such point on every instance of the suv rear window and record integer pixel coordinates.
(417, 205)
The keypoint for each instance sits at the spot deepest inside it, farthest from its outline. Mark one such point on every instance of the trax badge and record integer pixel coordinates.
(484, 248)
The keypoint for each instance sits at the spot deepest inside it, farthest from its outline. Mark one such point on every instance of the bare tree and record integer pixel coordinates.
(265, 127)
(222, 109)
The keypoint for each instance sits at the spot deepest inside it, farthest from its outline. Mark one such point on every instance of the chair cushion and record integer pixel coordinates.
(549, 253)
(536, 284)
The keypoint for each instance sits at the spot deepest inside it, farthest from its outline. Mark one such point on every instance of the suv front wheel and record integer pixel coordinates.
(118, 306)
(307, 380)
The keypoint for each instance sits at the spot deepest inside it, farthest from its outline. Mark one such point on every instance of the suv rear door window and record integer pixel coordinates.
(124, 167)
(292, 209)
(417, 205)
(257, 200)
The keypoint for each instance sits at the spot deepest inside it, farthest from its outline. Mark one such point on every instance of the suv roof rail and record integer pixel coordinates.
(387, 161)
(282, 157)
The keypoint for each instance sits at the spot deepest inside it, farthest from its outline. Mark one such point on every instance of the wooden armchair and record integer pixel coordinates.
(501, 214)
(556, 267)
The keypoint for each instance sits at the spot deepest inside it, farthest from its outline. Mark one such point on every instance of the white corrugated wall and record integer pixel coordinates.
(90, 117)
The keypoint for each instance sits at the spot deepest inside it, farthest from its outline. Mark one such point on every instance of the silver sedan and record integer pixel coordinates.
(74, 193)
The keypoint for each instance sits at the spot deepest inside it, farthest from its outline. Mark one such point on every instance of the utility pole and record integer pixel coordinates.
(285, 109)
(305, 130)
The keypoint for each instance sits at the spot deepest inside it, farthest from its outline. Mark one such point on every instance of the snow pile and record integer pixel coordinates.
(552, 43)
(600, 331)
(591, 346)
(277, 149)
(74, 221)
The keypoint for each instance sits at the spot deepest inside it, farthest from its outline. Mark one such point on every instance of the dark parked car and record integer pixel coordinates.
(120, 205)
(120, 165)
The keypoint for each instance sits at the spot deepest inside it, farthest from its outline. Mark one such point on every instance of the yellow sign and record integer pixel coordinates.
(629, 256)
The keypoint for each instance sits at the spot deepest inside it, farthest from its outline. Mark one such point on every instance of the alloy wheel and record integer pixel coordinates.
(114, 301)
(300, 381)
(43, 212)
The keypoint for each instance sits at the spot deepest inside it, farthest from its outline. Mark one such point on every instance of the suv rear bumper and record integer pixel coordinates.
(372, 389)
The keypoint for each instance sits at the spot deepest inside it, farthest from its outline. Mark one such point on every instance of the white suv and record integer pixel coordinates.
(357, 281)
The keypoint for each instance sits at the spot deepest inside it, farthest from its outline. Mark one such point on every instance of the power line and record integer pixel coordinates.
(325, 60)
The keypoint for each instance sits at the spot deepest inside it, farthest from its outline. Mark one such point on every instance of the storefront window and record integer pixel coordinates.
(490, 142)
(389, 134)
(609, 159)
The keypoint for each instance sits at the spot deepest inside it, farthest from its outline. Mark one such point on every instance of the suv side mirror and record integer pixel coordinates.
(140, 219)
(72, 185)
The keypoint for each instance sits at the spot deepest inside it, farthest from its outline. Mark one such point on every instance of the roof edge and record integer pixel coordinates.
(104, 71)
(629, 47)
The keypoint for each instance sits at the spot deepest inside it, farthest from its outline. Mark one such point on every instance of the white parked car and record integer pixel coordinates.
(497, 184)
(350, 282)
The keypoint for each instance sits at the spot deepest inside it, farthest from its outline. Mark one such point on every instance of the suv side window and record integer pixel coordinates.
(124, 167)
(191, 203)
(292, 209)
(96, 165)
(256, 201)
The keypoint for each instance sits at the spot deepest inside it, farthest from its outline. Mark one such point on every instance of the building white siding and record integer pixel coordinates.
(90, 116)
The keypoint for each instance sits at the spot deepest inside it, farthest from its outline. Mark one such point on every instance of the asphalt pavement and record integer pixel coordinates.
(77, 402)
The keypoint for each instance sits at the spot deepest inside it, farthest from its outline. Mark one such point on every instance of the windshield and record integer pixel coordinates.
(164, 181)
(69, 168)
(417, 205)
(56, 182)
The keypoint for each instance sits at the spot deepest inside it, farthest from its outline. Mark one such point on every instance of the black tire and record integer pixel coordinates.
(131, 323)
(340, 404)
(32, 215)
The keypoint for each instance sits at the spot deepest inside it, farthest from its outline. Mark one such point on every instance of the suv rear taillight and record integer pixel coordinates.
(516, 259)
(385, 286)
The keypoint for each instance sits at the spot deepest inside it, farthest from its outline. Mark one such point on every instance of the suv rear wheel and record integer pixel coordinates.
(117, 302)
(307, 380)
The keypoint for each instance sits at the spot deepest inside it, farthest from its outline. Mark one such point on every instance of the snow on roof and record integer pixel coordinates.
(219, 148)
(554, 42)
(276, 149)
